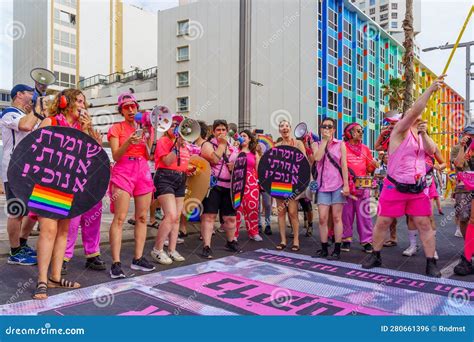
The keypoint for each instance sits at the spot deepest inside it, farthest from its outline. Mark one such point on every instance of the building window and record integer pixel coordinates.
(332, 73)
(372, 47)
(332, 100)
(400, 67)
(65, 80)
(372, 11)
(183, 53)
(183, 79)
(393, 24)
(347, 81)
(382, 55)
(347, 55)
(360, 39)
(371, 92)
(382, 76)
(394, 15)
(332, 19)
(360, 111)
(347, 105)
(384, 16)
(371, 114)
(394, 6)
(320, 10)
(372, 2)
(371, 70)
(320, 95)
(360, 87)
(183, 27)
(347, 30)
(320, 68)
(332, 47)
(384, 8)
(182, 104)
(392, 61)
(360, 63)
(320, 40)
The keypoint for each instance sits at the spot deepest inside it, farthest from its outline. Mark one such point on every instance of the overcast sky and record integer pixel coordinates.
(441, 21)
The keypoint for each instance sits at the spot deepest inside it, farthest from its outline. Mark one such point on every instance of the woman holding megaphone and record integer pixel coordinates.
(171, 162)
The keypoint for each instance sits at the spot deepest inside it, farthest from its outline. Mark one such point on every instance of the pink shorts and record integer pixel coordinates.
(433, 192)
(132, 174)
(393, 203)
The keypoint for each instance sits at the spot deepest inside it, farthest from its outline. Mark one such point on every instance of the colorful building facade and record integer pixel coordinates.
(355, 59)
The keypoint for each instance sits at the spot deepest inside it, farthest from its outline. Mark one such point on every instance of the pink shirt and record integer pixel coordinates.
(221, 169)
(358, 162)
(251, 161)
(407, 163)
(164, 146)
(331, 177)
(122, 131)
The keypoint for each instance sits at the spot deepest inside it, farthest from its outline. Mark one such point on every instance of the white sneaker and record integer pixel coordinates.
(436, 255)
(175, 256)
(257, 238)
(410, 251)
(458, 232)
(161, 257)
(179, 241)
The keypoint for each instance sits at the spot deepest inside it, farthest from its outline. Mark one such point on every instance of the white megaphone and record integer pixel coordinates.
(43, 76)
(161, 118)
(301, 132)
(189, 129)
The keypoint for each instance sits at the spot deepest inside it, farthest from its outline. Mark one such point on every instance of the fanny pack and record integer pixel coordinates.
(416, 188)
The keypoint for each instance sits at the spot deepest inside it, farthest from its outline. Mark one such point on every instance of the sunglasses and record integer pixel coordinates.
(327, 126)
(130, 106)
(359, 130)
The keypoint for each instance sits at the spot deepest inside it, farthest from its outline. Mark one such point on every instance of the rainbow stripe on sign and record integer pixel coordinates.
(237, 200)
(281, 189)
(266, 141)
(50, 200)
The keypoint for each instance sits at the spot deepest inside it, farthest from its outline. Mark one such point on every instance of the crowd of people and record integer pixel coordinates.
(405, 178)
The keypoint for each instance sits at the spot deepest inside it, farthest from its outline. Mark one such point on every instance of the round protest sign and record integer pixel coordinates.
(59, 172)
(284, 172)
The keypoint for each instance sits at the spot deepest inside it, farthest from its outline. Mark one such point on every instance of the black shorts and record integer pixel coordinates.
(305, 204)
(218, 201)
(169, 182)
(15, 206)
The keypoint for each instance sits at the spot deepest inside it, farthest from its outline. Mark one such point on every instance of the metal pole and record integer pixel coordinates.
(244, 64)
(467, 103)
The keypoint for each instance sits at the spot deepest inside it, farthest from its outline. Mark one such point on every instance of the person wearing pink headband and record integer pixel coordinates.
(361, 162)
(130, 177)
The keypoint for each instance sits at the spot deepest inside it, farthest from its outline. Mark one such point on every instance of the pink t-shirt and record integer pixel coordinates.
(331, 177)
(358, 162)
(221, 170)
(163, 148)
(122, 131)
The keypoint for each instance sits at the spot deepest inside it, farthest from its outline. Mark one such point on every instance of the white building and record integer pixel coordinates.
(5, 98)
(51, 36)
(198, 61)
(389, 14)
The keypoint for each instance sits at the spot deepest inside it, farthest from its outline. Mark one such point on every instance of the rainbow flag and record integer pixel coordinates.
(266, 141)
(51, 200)
(281, 189)
(237, 200)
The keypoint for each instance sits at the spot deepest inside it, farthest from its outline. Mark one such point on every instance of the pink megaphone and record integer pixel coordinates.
(143, 118)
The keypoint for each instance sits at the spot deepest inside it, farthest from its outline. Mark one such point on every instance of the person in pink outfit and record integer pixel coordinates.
(405, 191)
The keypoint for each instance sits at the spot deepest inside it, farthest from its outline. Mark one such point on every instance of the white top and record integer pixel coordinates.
(11, 135)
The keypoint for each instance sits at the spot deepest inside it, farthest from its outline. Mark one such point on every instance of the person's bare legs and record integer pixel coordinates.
(121, 204)
(281, 210)
(14, 230)
(175, 228)
(46, 239)
(142, 204)
(323, 211)
(27, 225)
(207, 227)
(295, 225)
(230, 227)
(59, 249)
(153, 206)
(170, 216)
(337, 219)
(381, 228)
(427, 234)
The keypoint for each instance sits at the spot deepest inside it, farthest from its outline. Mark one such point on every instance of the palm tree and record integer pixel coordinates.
(408, 56)
(394, 90)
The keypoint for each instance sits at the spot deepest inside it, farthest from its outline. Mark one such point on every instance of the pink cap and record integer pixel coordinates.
(178, 118)
(126, 98)
(394, 118)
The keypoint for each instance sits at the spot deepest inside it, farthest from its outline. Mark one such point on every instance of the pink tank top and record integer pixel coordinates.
(407, 163)
(221, 170)
(330, 178)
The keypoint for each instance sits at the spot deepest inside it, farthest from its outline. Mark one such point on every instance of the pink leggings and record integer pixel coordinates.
(249, 206)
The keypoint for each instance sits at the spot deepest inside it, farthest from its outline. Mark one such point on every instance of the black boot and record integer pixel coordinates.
(323, 252)
(431, 268)
(373, 260)
(464, 267)
(336, 253)
(95, 263)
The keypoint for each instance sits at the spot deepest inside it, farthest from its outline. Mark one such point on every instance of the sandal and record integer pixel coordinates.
(281, 246)
(63, 283)
(295, 248)
(153, 225)
(132, 222)
(41, 291)
(390, 243)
